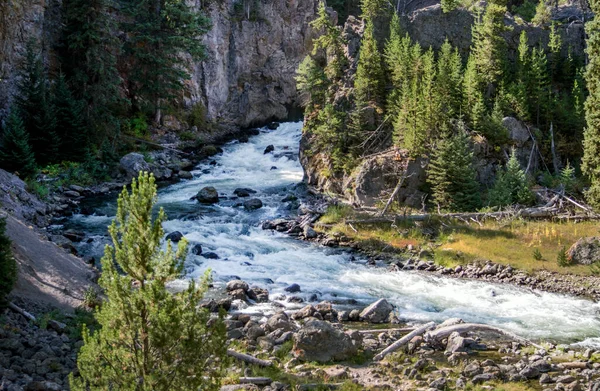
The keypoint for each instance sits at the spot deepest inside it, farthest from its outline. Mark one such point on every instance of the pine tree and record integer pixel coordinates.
(429, 99)
(371, 8)
(542, 14)
(511, 185)
(150, 339)
(70, 124)
(368, 81)
(311, 83)
(554, 46)
(15, 151)
(452, 175)
(449, 5)
(88, 55)
(34, 104)
(591, 142)
(449, 83)
(474, 103)
(489, 47)
(330, 40)
(158, 31)
(8, 266)
(540, 83)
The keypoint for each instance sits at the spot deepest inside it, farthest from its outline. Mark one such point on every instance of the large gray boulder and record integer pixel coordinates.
(377, 312)
(585, 251)
(132, 163)
(208, 195)
(320, 341)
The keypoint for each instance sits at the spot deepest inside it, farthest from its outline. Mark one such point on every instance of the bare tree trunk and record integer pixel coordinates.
(249, 359)
(403, 341)
(553, 149)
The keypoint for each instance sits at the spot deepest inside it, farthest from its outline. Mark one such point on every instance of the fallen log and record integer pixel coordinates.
(157, 145)
(21, 311)
(379, 331)
(444, 332)
(259, 381)
(249, 359)
(574, 365)
(404, 340)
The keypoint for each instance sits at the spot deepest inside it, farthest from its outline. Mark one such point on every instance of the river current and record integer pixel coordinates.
(273, 260)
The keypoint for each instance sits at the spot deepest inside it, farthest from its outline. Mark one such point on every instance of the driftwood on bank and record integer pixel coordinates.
(21, 311)
(379, 331)
(575, 365)
(249, 359)
(404, 340)
(259, 381)
(157, 145)
(444, 332)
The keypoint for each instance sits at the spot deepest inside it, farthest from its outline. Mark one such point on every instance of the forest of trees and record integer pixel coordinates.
(105, 83)
(421, 100)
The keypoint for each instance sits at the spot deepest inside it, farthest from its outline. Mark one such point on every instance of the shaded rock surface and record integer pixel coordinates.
(320, 341)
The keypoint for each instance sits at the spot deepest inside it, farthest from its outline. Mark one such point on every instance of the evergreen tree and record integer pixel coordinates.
(150, 339)
(511, 185)
(158, 31)
(311, 83)
(554, 46)
(452, 175)
(474, 103)
(330, 40)
(8, 266)
(449, 83)
(371, 8)
(70, 126)
(591, 142)
(88, 56)
(368, 81)
(542, 14)
(489, 47)
(539, 85)
(15, 151)
(449, 5)
(34, 104)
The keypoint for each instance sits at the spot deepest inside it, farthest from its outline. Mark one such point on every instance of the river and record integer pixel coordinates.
(273, 260)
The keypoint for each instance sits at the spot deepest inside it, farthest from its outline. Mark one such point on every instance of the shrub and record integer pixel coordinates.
(537, 255)
(8, 266)
(562, 258)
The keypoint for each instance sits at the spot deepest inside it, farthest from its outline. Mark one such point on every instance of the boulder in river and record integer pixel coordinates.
(132, 163)
(585, 251)
(320, 341)
(174, 236)
(377, 312)
(253, 204)
(237, 284)
(243, 192)
(208, 195)
(210, 255)
(294, 288)
(269, 149)
(197, 249)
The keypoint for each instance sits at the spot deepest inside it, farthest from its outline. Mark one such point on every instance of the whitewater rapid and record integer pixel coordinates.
(273, 260)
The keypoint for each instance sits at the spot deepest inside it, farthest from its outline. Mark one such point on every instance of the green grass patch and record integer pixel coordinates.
(336, 214)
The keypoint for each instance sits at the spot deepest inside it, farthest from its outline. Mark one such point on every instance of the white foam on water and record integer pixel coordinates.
(274, 261)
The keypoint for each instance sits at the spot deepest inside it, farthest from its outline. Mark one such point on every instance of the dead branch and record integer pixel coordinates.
(444, 332)
(249, 359)
(156, 145)
(259, 381)
(404, 340)
(21, 311)
(380, 331)
(395, 192)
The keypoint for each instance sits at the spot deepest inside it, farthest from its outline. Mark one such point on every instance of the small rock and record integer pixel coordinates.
(253, 204)
(210, 255)
(57, 326)
(208, 195)
(530, 372)
(197, 249)
(174, 236)
(294, 288)
(269, 149)
(309, 233)
(377, 312)
(243, 192)
(237, 284)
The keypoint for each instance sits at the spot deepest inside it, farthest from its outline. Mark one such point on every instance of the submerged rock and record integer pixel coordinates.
(243, 192)
(208, 195)
(174, 236)
(197, 249)
(269, 149)
(253, 204)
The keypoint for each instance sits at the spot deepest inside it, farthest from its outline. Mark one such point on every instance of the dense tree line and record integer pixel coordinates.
(77, 110)
(422, 100)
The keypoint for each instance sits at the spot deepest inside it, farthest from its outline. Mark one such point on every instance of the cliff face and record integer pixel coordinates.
(246, 79)
(248, 76)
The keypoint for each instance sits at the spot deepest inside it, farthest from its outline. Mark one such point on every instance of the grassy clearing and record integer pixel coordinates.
(525, 245)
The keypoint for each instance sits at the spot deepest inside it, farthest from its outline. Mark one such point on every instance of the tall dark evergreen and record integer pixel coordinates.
(15, 152)
(34, 103)
(158, 33)
(70, 123)
(591, 141)
(89, 50)
(369, 80)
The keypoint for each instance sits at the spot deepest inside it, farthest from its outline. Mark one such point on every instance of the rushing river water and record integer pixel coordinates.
(274, 261)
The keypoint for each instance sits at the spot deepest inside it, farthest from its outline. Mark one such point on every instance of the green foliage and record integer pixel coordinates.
(39, 189)
(537, 255)
(451, 174)
(511, 185)
(562, 259)
(137, 126)
(368, 81)
(372, 8)
(330, 40)
(71, 129)
(157, 32)
(595, 268)
(591, 142)
(150, 338)
(311, 82)
(8, 266)
(197, 116)
(91, 298)
(567, 177)
(449, 5)
(15, 152)
(542, 14)
(525, 10)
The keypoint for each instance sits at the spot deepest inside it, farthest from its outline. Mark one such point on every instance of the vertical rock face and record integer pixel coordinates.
(20, 21)
(246, 79)
(248, 75)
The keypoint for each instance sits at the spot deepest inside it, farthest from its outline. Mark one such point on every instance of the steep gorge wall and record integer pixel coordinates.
(246, 79)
